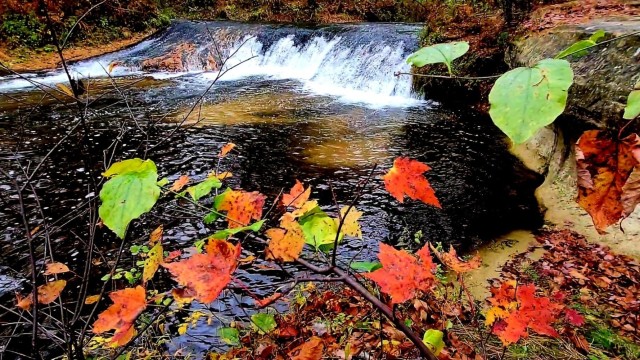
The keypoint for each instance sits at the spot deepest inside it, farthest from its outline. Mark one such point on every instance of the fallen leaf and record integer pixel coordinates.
(56, 268)
(268, 300)
(173, 255)
(610, 163)
(206, 275)
(156, 235)
(91, 299)
(35, 230)
(530, 312)
(50, 291)
(180, 183)
(223, 175)
(450, 259)
(403, 274)
(310, 350)
(297, 196)
(573, 317)
(241, 207)
(24, 303)
(66, 90)
(120, 316)
(406, 179)
(226, 149)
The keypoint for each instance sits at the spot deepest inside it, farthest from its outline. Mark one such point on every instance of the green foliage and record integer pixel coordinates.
(223, 234)
(604, 338)
(579, 48)
(524, 99)
(439, 53)
(632, 110)
(319, 229)
(22, 30)
(264, 323)
(131, 191)
(366, 266)
(203, 189)
(230, 336)
(433, 339)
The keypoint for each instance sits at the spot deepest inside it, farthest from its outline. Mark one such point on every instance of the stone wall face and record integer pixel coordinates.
(603, 78)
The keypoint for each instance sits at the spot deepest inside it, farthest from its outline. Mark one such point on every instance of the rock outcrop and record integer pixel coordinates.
(603, 80)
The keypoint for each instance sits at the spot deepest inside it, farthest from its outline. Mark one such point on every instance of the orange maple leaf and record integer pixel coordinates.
(156, 235)
(180, 183)
(406, 178)
(450, 259)
(121, 315)
(402, 274)
(297, 196)
(607, 183)
(241, 207)
(47, 294)
(206, 275)
(311, 350)
(226, 149)
(285, 243)
(56, 268)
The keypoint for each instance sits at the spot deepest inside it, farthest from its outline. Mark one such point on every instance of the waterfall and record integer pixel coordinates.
(354, 63)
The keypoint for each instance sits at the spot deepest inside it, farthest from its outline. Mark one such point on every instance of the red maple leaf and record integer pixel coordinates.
(403, 274)
(405, 178)
(127, 305)
(532, 312)
(573, 317)
(206, 275)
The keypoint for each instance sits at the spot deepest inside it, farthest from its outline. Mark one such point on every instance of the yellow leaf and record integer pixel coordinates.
(156, 235)
(152, 262)
(223, 175)
(65, 89)
(306, 207)
(182, 329)
(92, 299)
(495, 313)
(350, 225)
(56, 268)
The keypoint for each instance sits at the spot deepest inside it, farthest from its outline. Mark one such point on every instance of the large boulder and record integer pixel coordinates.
(603, 80)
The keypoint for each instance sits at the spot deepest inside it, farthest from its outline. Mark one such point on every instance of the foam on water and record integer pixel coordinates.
(352, 68)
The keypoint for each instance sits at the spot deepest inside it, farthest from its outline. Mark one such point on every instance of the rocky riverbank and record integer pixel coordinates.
(603, 80)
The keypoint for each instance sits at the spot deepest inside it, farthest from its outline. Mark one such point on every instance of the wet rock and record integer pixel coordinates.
(603, 78)
(176, 60)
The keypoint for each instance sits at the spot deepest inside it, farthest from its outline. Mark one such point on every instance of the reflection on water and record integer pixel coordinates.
(282, 133)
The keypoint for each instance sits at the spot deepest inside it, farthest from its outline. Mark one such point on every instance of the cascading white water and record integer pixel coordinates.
(348, 66)
(361, 73)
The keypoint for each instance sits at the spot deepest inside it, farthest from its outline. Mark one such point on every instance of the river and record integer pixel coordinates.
(317, 104)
